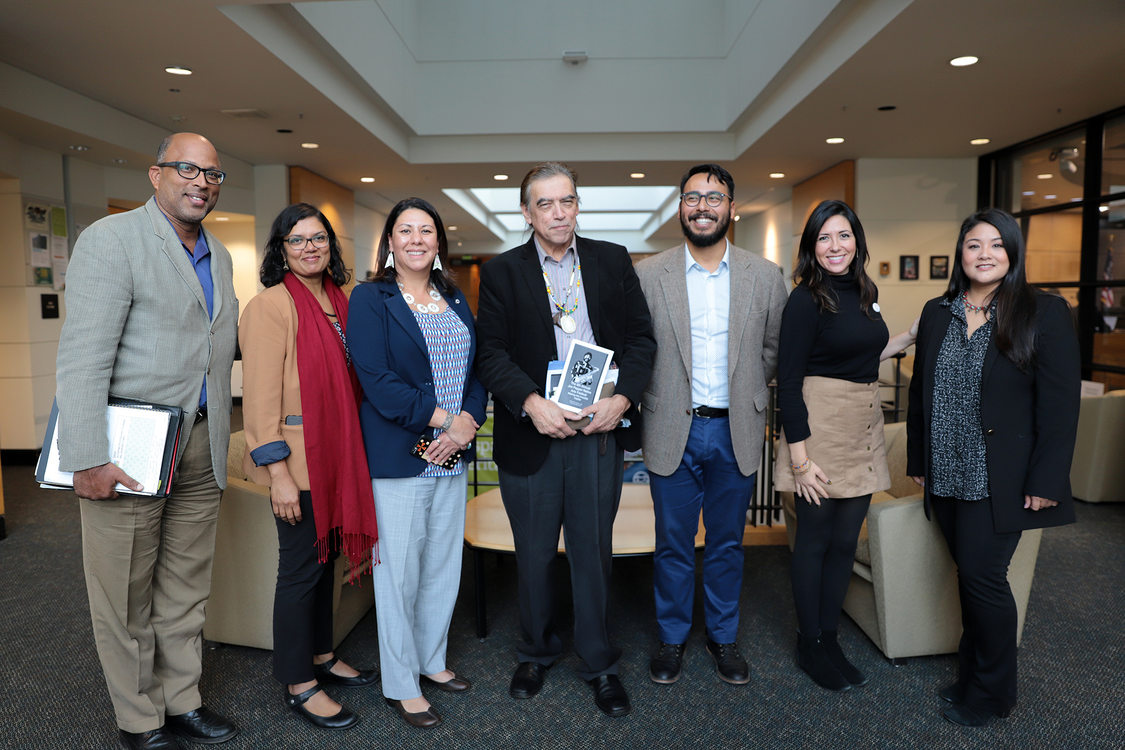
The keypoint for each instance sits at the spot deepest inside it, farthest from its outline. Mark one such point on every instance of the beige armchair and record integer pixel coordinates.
(903, 592)
(1097, 474)
(240, 610)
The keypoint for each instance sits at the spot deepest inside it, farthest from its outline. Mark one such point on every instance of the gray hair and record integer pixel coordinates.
(542, 172)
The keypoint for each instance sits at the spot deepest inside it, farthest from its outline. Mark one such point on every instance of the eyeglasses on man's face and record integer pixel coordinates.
(714, 198)
(297, 242)
(190, 171)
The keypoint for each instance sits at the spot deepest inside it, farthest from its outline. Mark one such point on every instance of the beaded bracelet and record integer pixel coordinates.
(801, 468)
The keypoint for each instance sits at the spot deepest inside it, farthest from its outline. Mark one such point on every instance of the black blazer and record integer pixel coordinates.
(1029, 419)
(516, 340)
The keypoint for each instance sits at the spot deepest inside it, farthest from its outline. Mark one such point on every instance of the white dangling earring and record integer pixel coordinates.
(437, 262)
(390, 261)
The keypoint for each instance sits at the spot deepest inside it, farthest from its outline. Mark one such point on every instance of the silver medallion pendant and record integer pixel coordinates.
(568, 324)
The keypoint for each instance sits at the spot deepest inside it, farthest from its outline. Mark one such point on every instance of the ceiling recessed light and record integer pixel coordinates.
(222, 218)
(499, 177)
(367, 179)
(78, 147)
(833, 140)
(1050, 196)
(980, 141)
(452, 227)
(964, 62)
(887, 108)
(310, 145)
(637, 175)
(120, 162)
(174, 91)
(1045, 176)
(1103, 209)
(1028, 192)
(178, 70)
(776, 175)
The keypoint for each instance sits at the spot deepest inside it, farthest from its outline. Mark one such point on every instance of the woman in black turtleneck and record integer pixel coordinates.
(831, 453)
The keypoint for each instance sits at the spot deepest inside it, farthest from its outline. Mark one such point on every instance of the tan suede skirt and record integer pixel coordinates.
(846, 440)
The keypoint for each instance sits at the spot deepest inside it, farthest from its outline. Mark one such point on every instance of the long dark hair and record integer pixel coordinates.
(440, 278)
(809, 272)
(274, 266)
(1015, 299)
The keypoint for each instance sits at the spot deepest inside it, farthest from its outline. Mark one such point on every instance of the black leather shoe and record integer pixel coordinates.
(155, 739)
(201, 725)
(609, 695)
(326, 676)
(664, 668)
(527, 680)
(732, 667)
(342, 719)
(454, 684)
(422, 719)
(954, 693)
(968, 716)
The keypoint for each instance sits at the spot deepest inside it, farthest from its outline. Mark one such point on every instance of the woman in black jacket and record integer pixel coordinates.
(991, 425)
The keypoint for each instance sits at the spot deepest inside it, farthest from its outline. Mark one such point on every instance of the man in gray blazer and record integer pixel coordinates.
(716, 312)
(151, 315)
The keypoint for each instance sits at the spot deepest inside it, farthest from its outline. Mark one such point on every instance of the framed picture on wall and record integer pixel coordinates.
(884, 268)
(939, 266)
(908, 267)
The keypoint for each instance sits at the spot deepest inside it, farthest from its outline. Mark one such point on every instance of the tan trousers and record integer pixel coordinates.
(148, 575)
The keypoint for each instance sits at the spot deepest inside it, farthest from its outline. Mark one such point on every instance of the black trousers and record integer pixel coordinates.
(823, 557)
(579, 485)
(302, 604)
(987, 653)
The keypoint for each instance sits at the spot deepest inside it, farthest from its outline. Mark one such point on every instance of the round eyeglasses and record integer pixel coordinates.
(714, 198)
(297, 242)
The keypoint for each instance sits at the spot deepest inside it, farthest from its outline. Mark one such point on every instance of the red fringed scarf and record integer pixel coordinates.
(339, 481)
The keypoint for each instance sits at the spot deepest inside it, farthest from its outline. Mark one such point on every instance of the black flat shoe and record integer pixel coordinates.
(421, 719)
(609, 695)
(666, 666)
(954, 693)
(454, 684)
(326, 676)
(968, 716)
(732, 668)
(154, 739)
(201, 725)
(527, 681)
(343, 719)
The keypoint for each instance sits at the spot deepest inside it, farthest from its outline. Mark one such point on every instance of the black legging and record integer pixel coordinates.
(822, 559)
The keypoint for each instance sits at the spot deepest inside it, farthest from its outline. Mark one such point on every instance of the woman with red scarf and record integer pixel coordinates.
(303, 439)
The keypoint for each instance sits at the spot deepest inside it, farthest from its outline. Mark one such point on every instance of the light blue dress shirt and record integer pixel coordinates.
(709, 306)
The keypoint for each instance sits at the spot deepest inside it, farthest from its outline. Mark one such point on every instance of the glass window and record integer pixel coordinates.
(1113, 157)
(1054, 249)
(1049, 173)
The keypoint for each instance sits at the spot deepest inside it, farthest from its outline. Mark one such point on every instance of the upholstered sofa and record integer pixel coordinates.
(240, 610)
(903, 592)
(1098, 472)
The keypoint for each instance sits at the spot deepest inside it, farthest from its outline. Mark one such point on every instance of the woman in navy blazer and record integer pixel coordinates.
(412, 339)
(991, 425)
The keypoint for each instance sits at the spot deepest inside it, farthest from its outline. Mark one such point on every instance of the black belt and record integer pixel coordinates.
(709, 412)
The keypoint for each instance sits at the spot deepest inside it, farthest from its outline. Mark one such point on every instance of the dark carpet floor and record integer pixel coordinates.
(1072, 665)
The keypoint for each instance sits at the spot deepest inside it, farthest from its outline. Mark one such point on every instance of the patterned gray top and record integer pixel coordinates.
(958, 463)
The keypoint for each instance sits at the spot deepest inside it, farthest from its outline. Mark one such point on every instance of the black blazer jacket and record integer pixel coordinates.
(1029, 419)
(516, 340)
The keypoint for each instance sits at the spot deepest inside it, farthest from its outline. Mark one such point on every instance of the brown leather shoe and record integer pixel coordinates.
(454, 684)
(421, 719)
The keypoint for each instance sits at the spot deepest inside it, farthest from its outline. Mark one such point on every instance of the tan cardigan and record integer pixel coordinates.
(271, 387)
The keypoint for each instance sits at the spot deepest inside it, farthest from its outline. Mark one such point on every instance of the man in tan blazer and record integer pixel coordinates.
(151, 315)
(716, 312)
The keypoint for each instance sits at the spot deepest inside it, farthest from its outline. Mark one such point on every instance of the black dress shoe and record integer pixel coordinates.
(732, 667)
(154, 739)
(609, 695)
(954, 693)
(421, 719)
(342, 719)
(970, 716)
(664, 668)
(326, 676)
(527, 680)
(201, 725)
(454, 684)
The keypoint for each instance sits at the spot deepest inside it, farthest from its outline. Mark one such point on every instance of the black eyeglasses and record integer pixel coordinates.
(714, 199)
(190, 171)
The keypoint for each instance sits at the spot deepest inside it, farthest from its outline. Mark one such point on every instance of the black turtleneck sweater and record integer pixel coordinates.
(845, 344)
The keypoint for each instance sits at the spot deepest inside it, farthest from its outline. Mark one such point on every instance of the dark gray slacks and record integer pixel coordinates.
(577, 488)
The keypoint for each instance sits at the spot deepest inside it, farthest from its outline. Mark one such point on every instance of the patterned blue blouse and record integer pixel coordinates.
(448, 343)
(959, 466)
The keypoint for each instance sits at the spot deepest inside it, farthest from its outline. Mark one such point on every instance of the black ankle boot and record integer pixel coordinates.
(812, 658)
(836, 656)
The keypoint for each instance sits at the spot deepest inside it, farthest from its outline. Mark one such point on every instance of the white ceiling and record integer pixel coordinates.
(427, 95)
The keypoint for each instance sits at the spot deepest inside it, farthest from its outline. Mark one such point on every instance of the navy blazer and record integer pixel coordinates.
(393, 365)
(1029, 419)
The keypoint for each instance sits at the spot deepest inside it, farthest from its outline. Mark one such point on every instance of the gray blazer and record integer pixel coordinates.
(137, 327)
(757, 299)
